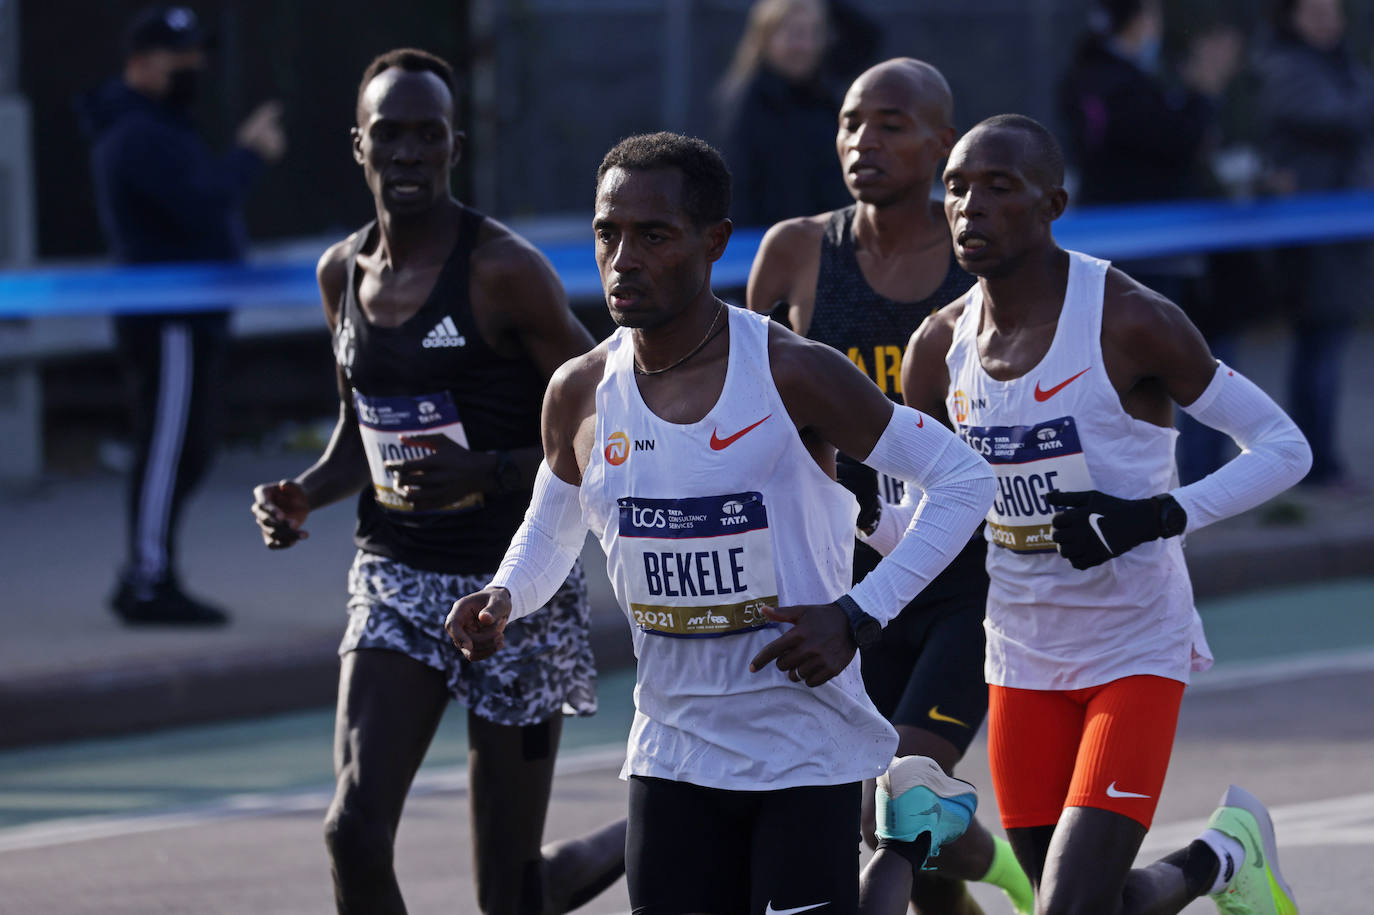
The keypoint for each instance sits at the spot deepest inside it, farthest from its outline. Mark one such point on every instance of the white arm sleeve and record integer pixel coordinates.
(958, 489)
(1273, 453)
(543, 550)
(892, 522)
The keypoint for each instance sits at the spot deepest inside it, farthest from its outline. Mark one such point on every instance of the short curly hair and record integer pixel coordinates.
(705, 177)
(412, 60)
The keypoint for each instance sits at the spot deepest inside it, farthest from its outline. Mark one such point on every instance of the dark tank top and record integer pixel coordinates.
(872, 330)
(434, 374)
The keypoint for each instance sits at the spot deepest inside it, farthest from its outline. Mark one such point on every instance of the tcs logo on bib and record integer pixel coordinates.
(617, 448)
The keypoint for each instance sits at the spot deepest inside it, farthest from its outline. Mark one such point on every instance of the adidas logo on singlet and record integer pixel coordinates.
(445, 333)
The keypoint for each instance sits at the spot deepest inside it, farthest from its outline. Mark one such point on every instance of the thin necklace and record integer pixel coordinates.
(711, 334)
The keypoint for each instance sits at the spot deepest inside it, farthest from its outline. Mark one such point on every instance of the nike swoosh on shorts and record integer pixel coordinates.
(769, 910)
(1114, 791)
(935, 715)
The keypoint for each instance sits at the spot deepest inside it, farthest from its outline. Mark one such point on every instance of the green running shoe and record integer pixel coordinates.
(915, 796)
(1259, 888)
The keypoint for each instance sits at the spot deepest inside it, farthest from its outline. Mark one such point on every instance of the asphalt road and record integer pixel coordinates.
(225, 818)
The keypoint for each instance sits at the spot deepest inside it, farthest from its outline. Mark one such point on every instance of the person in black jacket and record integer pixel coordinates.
(163, 195)
(1141, 136)
(779, 110)
(1316, 100)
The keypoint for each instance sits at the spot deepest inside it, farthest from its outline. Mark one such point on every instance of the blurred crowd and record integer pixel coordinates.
(1145, 111)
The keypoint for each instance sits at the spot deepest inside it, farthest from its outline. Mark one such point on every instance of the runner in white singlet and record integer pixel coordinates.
(1063, 373)
(698, 444)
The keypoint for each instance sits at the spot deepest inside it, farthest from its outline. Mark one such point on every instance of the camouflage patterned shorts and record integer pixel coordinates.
(546, 666)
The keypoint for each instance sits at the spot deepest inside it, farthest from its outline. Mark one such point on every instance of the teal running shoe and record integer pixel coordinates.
(1258, 888)
(916, 796)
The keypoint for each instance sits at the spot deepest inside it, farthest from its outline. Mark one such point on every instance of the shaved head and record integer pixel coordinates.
(1039, 155)
(923, 87)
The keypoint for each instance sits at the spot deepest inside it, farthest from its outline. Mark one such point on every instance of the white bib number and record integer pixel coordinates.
(1029, 461)
(384, 423)
(700, 567)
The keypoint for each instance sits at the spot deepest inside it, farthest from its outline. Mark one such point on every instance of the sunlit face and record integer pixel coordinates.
(890, 140)
(654, 261)
(405, 139)
(997, 210)
(797, 44)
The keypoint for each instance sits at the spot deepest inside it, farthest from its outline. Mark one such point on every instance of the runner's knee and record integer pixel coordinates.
(358, 844)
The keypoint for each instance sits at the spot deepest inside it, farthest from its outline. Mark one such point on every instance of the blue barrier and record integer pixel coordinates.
(1122, 232)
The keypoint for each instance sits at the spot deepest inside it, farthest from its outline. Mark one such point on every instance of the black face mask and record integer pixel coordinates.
(183, 87)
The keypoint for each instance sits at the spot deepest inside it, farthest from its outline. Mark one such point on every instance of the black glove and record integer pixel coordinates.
(862, 481)
(1095, 527)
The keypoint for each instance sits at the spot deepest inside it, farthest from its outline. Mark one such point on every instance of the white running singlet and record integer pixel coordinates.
(1061, 426)
(703, 524)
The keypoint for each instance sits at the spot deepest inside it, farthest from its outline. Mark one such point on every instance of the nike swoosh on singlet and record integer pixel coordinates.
(935, 715)
(1114, 791)
(920, 421)
(769, 910)
(1043, 396)
(718, 443)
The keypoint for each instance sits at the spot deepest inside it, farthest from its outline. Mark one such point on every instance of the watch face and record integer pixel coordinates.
(868, 633)
(1172, 519)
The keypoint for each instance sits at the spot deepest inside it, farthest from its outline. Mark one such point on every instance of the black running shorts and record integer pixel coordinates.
(692, 849)
(927, 670)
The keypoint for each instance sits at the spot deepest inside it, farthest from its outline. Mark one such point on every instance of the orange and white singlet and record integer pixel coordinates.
(703, 524)
(1061, 427)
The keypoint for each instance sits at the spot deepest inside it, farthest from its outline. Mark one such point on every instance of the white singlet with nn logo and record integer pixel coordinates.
(703, 524)
(1061, 427)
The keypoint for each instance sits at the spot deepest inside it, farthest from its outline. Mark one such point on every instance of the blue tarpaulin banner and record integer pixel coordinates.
(1118, 233)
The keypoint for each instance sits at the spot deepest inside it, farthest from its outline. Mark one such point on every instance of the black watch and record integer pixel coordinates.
(1173, 518)
(507, 473)
(864, 629)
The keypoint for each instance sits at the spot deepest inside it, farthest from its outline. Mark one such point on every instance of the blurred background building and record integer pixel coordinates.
(549, 85)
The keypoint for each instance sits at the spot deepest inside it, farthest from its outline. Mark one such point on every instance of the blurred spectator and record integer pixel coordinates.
(1139, 137)
(1317, 103)
(163, 195)
(780, 113)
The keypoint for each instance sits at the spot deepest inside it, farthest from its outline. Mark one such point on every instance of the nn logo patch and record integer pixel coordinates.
(617, 449)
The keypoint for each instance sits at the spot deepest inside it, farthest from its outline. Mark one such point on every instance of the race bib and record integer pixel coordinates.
(384, 421)
(1029, 461)
(698, 568)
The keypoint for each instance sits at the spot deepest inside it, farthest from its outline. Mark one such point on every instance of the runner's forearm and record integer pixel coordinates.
(1273, 452)
(543, 550)
(341, 470)
(958, 488)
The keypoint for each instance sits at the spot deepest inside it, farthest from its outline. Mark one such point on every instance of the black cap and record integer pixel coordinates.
(167, 28)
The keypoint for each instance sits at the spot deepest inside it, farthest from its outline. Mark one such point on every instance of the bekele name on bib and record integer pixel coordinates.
(1029, 461)
(699, 567)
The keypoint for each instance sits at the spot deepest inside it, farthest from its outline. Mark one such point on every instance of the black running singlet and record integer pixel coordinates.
(434, 374)
(870, 328)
